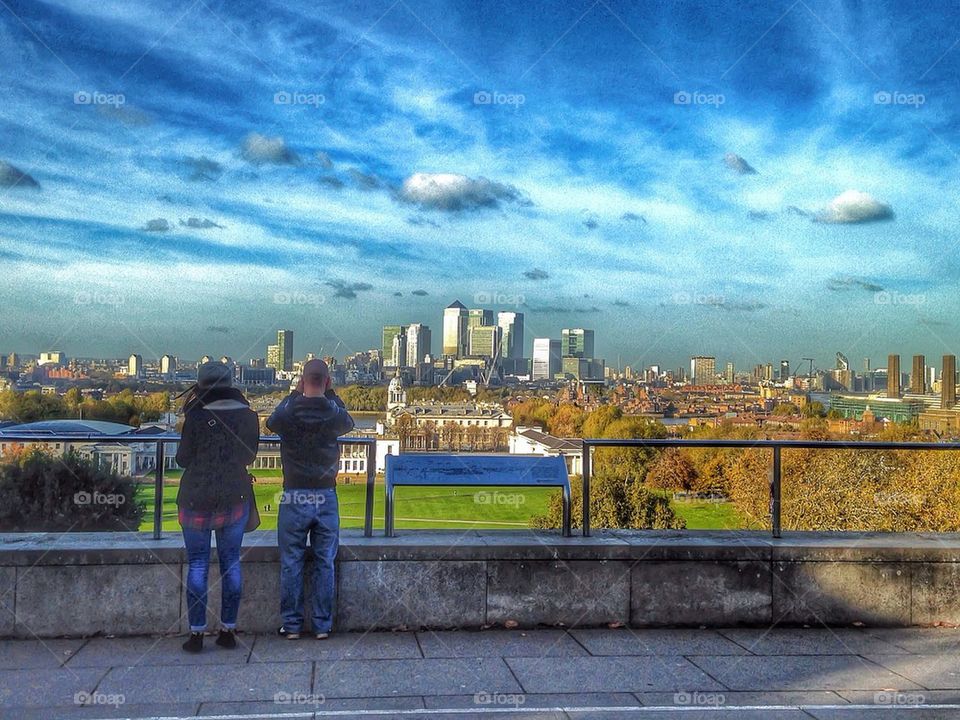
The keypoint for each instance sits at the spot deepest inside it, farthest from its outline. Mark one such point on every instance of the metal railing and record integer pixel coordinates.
(775, 467)
(161, 441)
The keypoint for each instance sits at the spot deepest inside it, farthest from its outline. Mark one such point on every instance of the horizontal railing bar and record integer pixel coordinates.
(165, 439)
(822, 444)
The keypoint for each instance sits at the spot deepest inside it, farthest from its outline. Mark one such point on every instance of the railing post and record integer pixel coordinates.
(775, 492)
(585, 493)
(371, 479)
(158, 492)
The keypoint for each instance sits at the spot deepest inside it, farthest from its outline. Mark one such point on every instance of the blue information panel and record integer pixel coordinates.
(440, 469)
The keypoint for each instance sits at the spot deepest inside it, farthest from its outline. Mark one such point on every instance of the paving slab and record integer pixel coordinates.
(146, 651)
(499, 643)
(883, 713)
(36, 654)
(103, 711)
(907, 698)
(456, 715)
(386, 678)
(637, 641)
(339, 646)
(936, 672)
(8, 584)
(688, 714)
(609, 674)
(50, 688)
(802, 672)
(742, 698)
(322, 704)
(537, 700)
(260, 682)
(810, 641)
(922, 641)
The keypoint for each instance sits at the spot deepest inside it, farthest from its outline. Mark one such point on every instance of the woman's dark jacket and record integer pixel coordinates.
(219, 440)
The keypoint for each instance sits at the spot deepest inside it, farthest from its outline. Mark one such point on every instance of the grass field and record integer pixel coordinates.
(428, 507)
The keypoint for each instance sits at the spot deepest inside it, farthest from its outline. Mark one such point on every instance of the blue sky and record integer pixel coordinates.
(754, 180)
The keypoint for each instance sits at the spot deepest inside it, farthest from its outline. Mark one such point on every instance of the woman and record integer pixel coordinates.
(219, 439)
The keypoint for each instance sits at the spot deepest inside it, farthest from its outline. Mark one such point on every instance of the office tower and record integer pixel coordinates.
(546, 358)
(703, 370)
(455, 330)
(784, 370)
(419, 343)
(893, 376)
(273, 357)
(511, 343)
(478, 317)
(729, 373)
(576, 342)
(135, 366)
(948, 382)
(13, 361)
(285, 348)
(53, 357)
(917, 379)
(392, 356)
(168, 367)
(484, 341)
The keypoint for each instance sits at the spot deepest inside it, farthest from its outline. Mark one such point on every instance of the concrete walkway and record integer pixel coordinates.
(611, 674)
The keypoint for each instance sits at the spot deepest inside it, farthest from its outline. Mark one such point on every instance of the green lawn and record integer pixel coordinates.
(428, 507)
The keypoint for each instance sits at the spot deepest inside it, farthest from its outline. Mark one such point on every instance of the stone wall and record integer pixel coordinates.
(129, 584)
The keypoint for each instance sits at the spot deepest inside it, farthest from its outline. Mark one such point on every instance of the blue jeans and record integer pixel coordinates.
(302, 513)
(197, 542)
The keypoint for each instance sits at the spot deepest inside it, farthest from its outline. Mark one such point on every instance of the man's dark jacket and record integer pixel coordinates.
(219, 440)
(308, 428)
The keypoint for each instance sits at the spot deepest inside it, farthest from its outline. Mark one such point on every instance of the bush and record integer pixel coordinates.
(43, 492)
(615, 502)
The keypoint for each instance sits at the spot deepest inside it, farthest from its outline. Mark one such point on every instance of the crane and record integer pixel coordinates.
(811, 365)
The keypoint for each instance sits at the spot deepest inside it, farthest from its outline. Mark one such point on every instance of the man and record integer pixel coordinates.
(309, 421)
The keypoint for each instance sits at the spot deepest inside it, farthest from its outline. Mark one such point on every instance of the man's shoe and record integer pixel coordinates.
(284, 633)
(227, 639)
(322, 635)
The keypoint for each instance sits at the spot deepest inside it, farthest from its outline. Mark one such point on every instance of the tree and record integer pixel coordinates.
(671, 471)
(597, 421)
(566, 421)
(40, 492)
(615, 502)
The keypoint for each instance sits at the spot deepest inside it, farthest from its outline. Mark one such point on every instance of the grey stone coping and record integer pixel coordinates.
(27, 549)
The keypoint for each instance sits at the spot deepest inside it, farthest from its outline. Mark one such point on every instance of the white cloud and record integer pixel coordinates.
(854, 206)
(261, 150)
(452, 192)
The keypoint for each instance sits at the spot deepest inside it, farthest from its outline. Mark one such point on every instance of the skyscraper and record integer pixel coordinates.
(168, 367)
(546, 358)
(485, 340)
(273, 357)
(455, 330)
(703, 370)
(285, 348)
(948, 382)
(576, 342)
(478, 317)
(511, 343)
(784, 370)
(729, 373)
(135, 366)
(393, 354)
(917, 379)
(419, 343)
(893, 376)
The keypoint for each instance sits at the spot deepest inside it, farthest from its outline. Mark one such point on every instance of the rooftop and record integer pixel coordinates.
(70, 427)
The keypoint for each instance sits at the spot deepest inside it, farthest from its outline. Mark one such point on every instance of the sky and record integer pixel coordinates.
(750, 180)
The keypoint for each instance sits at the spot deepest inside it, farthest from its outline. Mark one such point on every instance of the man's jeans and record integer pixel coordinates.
(315, 513)
(197, 543)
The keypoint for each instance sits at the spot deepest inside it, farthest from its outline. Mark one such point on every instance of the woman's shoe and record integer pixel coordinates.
(227, 639)
(322, 635)
(194, 643)
(284, 633)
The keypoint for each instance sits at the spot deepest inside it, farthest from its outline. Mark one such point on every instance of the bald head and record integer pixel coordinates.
(316, 378)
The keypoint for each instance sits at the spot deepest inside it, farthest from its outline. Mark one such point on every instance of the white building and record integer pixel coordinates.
(533, 441)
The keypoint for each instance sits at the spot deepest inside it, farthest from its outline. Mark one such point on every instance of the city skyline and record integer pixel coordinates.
(720, 183)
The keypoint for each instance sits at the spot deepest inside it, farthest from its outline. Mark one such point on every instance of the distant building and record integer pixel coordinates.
(703, 370)
(394, 346)
(419, 344)
(948, 382)
(893, 376)
(893, 409)
(168, 367)
(546, 358)
(918, 375)
(455, 318)
(54, 357)
(135, 366)
(576, 342)
(511, 327)
(484, 341)
(533, 441)
(285, 349)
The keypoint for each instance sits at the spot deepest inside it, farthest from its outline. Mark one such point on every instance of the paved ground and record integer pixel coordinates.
(507, 674)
